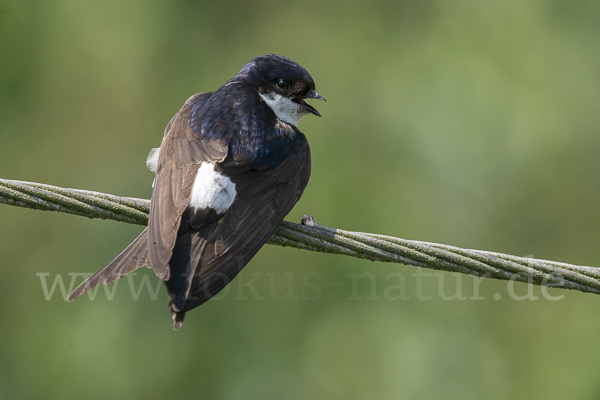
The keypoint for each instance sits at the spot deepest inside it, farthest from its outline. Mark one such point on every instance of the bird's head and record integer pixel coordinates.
(283, 84)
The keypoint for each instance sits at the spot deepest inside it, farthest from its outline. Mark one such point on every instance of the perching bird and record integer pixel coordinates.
(231, 166)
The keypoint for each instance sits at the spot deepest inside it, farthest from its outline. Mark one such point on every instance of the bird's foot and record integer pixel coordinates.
(309, 220)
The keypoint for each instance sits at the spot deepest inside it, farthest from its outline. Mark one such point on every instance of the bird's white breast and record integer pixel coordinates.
(212, 190)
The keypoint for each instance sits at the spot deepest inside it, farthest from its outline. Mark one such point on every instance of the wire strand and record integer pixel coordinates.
(323, 239)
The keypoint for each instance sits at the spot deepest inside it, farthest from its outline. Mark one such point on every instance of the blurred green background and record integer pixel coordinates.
(462, 122)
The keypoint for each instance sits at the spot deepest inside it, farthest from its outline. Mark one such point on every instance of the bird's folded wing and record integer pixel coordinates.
(264, 198)
(181, 153)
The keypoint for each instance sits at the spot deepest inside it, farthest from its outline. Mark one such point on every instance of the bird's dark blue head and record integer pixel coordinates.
(282, 84)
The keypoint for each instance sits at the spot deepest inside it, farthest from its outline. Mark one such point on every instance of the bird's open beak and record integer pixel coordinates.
(310, 95)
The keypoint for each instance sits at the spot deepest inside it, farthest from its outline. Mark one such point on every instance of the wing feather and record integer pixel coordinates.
(182, 152)
(264, 198)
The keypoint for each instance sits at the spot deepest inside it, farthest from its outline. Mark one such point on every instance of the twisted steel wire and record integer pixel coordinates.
(323, 239)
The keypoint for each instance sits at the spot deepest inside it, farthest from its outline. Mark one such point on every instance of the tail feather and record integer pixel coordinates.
(130, 259)
(187, 252)
(177, 316)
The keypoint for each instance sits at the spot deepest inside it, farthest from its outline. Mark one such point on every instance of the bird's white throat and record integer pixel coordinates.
(284, 108)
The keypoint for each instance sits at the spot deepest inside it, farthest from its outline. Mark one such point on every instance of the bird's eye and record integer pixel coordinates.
(283, 84)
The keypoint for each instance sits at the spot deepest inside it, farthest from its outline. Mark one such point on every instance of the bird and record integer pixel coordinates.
(231, 165)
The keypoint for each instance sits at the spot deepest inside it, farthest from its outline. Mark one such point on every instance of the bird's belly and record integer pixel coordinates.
(212, 190)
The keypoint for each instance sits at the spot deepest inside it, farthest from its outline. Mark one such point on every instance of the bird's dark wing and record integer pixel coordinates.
(182, 152)
(264, 197)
